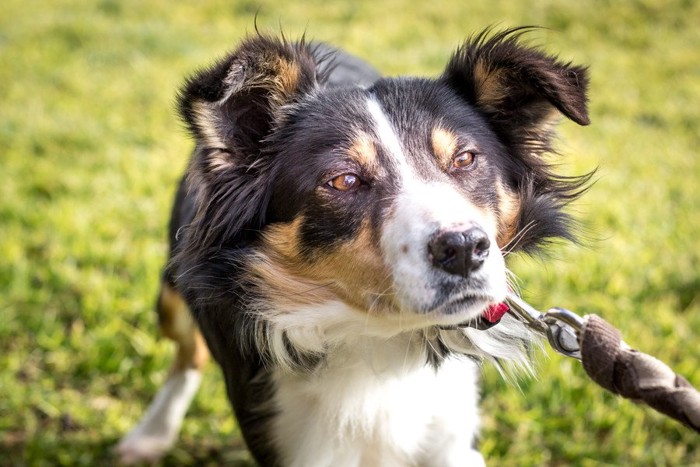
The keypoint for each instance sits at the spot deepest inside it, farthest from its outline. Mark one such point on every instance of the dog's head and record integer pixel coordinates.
(398, 200)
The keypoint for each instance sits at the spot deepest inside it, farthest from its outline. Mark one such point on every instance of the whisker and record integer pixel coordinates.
(408, 349)
(514, 282)
(512, 244)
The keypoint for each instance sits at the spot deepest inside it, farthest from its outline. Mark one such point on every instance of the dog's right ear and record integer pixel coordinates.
(231, 108)
(232, 105)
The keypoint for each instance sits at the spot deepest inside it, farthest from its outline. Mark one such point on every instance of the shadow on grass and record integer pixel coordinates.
(83, 448)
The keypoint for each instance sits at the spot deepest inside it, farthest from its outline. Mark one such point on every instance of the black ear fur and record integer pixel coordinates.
(231, 108)
(516, 86)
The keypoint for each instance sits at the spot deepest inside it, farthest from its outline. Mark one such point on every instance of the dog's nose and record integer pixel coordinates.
(459, 252)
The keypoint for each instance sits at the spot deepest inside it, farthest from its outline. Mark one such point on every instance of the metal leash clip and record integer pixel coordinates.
(559, 325)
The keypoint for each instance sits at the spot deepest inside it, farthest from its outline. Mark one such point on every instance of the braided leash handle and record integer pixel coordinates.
(635, 375)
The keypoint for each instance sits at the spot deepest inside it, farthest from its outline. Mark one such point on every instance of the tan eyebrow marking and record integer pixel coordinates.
(364, 152)
(444, 144)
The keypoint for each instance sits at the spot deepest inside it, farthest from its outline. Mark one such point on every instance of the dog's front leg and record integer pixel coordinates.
(157, 431)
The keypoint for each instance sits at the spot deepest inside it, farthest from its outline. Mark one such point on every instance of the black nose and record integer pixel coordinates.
(458, 252)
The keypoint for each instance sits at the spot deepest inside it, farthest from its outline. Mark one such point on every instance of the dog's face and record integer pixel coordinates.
(397, 207)
(399, 199)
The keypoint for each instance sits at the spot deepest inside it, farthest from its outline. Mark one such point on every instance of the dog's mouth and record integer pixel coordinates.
(490, 317)
(454, 310)
(458, 305)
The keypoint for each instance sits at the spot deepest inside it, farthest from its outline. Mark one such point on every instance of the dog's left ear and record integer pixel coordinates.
(518, 88)
(232, 105)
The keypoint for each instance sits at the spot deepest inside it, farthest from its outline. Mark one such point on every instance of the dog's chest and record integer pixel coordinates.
(374, 403)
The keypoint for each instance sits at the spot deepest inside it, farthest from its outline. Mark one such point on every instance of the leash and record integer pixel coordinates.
(611, 363)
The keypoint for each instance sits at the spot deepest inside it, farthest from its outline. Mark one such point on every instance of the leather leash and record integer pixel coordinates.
(611, 363)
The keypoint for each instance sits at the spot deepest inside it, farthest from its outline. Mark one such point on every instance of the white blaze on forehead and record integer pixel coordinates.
(385, 131)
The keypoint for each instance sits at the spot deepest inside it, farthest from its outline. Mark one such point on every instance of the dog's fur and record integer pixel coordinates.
(308, 241)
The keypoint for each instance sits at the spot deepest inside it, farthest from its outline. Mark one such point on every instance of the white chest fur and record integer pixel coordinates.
(376, 402)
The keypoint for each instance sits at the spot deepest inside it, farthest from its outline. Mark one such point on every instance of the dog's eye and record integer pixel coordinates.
(345, 182)
(463, 160)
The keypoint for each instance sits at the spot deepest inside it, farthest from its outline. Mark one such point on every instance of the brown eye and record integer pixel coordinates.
(345, 182)
(463, 160)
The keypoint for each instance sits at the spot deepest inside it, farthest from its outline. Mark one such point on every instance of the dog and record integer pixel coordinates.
(338, 244)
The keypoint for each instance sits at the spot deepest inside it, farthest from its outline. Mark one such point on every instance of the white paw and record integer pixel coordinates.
(135, 448)
(157, 431)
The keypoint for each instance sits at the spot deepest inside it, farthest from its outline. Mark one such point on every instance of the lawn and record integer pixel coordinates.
(91, 149)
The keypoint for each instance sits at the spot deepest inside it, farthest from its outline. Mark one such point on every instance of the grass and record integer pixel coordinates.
(91, 150)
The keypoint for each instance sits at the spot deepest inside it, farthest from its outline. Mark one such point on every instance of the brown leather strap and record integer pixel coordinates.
(636, 375)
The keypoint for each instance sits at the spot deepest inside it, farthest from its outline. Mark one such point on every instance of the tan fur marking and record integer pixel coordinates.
(444, 146)
(285, 287)
(364, 153)
(282, 240)
(490, 91)
(278, 269)
(287, 76)
(177, 324)
(279, 76)
(509, 207)
(353, 272)
(358, 274)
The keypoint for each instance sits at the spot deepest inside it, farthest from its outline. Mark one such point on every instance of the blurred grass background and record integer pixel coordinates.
(90, 151)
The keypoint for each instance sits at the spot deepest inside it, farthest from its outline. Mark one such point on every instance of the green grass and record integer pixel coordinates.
(90, 151)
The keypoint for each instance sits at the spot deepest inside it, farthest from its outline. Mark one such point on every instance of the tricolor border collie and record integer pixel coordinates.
(338, 245)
